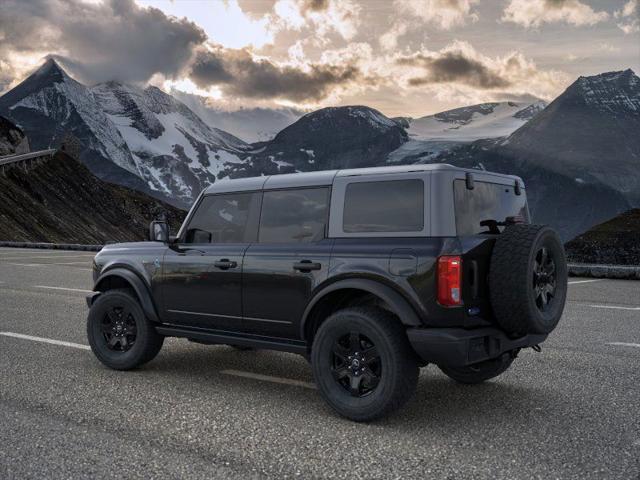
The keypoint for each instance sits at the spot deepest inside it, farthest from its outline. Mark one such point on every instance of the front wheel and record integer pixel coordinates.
(119, 333)
(479, 372)
(363, 363)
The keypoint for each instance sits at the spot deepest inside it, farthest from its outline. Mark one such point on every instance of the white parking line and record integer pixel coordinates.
(46, 340)
(585, 281)
(624, 344)
(613, 307)
(45, 265)
(269, 378)
(63, 288)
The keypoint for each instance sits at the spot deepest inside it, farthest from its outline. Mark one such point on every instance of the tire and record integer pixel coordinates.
(480, 372)
(390, 373)
(528, 288)
(131, 345)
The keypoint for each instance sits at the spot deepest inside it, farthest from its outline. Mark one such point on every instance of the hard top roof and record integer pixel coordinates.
(325, 177)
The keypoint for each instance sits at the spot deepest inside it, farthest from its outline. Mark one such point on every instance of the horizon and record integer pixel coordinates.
(176, 94)
(403, 58)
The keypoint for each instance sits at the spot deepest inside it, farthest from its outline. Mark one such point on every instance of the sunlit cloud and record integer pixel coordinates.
(533, 13)
(224, 22)
(629, 22)
(444, 14)
(460, 71)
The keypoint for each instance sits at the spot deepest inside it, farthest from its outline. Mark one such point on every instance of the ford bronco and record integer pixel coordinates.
(369, 273)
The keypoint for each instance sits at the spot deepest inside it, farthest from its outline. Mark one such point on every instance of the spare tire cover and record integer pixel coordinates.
(528, 279)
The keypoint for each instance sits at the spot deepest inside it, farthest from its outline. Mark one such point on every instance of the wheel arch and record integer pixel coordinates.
(124, 278)
(342, 293)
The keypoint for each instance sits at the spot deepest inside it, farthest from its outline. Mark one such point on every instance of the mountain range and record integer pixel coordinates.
(579, 155)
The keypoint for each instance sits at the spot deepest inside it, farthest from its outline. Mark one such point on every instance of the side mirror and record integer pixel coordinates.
(159, 231)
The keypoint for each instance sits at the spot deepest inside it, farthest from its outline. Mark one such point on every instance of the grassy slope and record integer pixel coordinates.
(61, 201)
(616, 241)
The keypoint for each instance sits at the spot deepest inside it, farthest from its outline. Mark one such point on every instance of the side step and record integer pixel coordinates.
(233, 338)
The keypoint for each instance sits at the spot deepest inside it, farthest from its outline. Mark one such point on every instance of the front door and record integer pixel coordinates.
(289, 260)
(202, 271)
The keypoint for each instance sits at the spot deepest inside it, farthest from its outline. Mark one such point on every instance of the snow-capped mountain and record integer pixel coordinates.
(591, 132)
(52, 103)
(173, 149)
(580, 156)
(433, 135)
(141, 138)
(466, 124)
(332, 137)
(250, 124)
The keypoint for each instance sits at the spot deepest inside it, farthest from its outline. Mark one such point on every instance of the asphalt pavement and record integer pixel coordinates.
(196, 411)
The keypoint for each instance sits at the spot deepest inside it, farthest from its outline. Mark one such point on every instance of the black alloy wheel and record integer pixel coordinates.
(119, 333)
(544, 280)
(363, 363)
(119, 329)
(356, 364)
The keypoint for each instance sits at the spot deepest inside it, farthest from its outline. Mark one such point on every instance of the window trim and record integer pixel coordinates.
(336, 220)
(325, 233)
(184, 228)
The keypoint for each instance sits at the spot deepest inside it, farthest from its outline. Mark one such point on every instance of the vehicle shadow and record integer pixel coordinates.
(438, 401)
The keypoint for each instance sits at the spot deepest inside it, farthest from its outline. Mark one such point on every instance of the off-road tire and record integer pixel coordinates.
(147, 341)
(398, 364)
(511, 279)
(480, 372)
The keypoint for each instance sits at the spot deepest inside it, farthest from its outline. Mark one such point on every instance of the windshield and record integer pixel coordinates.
(487, 201)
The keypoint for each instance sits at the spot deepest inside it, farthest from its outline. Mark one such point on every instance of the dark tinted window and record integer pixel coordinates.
(487, 201)
(231, 218)
(294, 215)
(389, 206)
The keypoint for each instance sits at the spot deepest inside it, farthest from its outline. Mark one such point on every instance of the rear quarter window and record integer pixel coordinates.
(487, 201)
(384, 206)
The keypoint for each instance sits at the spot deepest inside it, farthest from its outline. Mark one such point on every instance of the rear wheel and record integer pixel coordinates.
(480, 372)
(119, 333)
(363, 364)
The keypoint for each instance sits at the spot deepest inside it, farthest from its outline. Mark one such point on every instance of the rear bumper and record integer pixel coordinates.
(457, 347)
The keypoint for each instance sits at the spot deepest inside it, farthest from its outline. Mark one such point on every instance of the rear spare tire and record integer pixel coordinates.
(528, 279)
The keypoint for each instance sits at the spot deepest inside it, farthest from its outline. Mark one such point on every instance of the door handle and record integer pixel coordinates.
(225, 264)
(306, 266)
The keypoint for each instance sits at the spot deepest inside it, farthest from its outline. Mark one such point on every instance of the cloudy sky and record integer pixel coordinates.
(404, 57)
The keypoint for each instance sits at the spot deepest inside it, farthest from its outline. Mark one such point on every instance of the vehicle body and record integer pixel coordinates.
(264, 262)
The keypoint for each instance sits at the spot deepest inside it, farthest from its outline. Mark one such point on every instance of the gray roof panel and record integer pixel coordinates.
(325, 177)
(306, 179)
(236, 185)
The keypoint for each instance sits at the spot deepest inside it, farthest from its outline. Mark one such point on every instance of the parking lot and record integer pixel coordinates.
(571, 411)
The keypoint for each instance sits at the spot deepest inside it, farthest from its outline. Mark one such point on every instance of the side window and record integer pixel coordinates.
(291, 216)
(384, 206)
(228, 218)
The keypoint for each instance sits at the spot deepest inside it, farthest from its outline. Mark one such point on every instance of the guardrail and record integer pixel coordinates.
(10, 160)
(52, 246)
(594, 270)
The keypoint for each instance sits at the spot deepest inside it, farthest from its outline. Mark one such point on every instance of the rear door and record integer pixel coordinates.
(202, 272)
(289, 260)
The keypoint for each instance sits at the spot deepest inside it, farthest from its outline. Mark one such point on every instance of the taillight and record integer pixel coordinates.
(449, 280)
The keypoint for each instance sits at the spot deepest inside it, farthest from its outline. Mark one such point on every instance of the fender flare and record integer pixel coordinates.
(398, 304)
(138, 285)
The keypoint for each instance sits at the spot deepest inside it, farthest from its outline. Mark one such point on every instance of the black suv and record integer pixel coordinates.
(369, 273)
